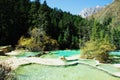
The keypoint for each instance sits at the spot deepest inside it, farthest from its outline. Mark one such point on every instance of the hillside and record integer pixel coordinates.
(90, 11)
(110, 15)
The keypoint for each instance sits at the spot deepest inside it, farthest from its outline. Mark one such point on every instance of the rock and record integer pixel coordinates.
(15, 52)
(90, 11)
(5, 49)
(62, 58)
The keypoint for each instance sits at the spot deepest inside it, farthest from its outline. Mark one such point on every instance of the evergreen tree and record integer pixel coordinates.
(13, 20)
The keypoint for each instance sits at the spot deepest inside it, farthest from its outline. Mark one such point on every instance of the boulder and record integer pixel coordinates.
(62, 58)
(5, 49)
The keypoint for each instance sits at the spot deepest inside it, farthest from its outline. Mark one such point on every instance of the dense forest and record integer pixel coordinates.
(40, 27)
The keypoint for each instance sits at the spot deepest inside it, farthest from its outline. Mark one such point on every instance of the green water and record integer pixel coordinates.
(78, 72)
(27, 54)
(110, 68)
(115, 53)
(57, 53)
(66, 53)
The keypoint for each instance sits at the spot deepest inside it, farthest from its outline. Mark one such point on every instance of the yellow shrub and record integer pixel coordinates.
(97, 49)
(38, 41)
(25, 41)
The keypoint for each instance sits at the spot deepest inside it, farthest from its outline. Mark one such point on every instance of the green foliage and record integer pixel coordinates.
(13, 20)
(105, 32)
(97, 50)
(110, 15)
(19, 17)
(38, 41)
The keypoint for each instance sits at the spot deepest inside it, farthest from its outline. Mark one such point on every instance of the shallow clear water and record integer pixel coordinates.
(66, 53)
(78, 72)
(27, 54)
(57, 53)
(115, 53)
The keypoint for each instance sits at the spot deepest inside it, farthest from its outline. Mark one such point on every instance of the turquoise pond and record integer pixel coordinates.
(115, 53)
(65, 53)
(68, 53)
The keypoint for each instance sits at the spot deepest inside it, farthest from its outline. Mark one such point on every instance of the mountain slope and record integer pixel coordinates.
(90, 11)
(110, 14)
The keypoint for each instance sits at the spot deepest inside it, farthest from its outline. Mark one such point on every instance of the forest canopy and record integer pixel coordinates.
(19, 17)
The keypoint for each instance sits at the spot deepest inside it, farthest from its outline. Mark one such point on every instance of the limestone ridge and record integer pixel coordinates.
(90, 11)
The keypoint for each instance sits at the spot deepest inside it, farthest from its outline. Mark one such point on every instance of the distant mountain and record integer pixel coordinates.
(109, 15)
(90, 11)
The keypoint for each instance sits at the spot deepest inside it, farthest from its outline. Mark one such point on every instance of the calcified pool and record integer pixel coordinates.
(57, 53)
(76, 72)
